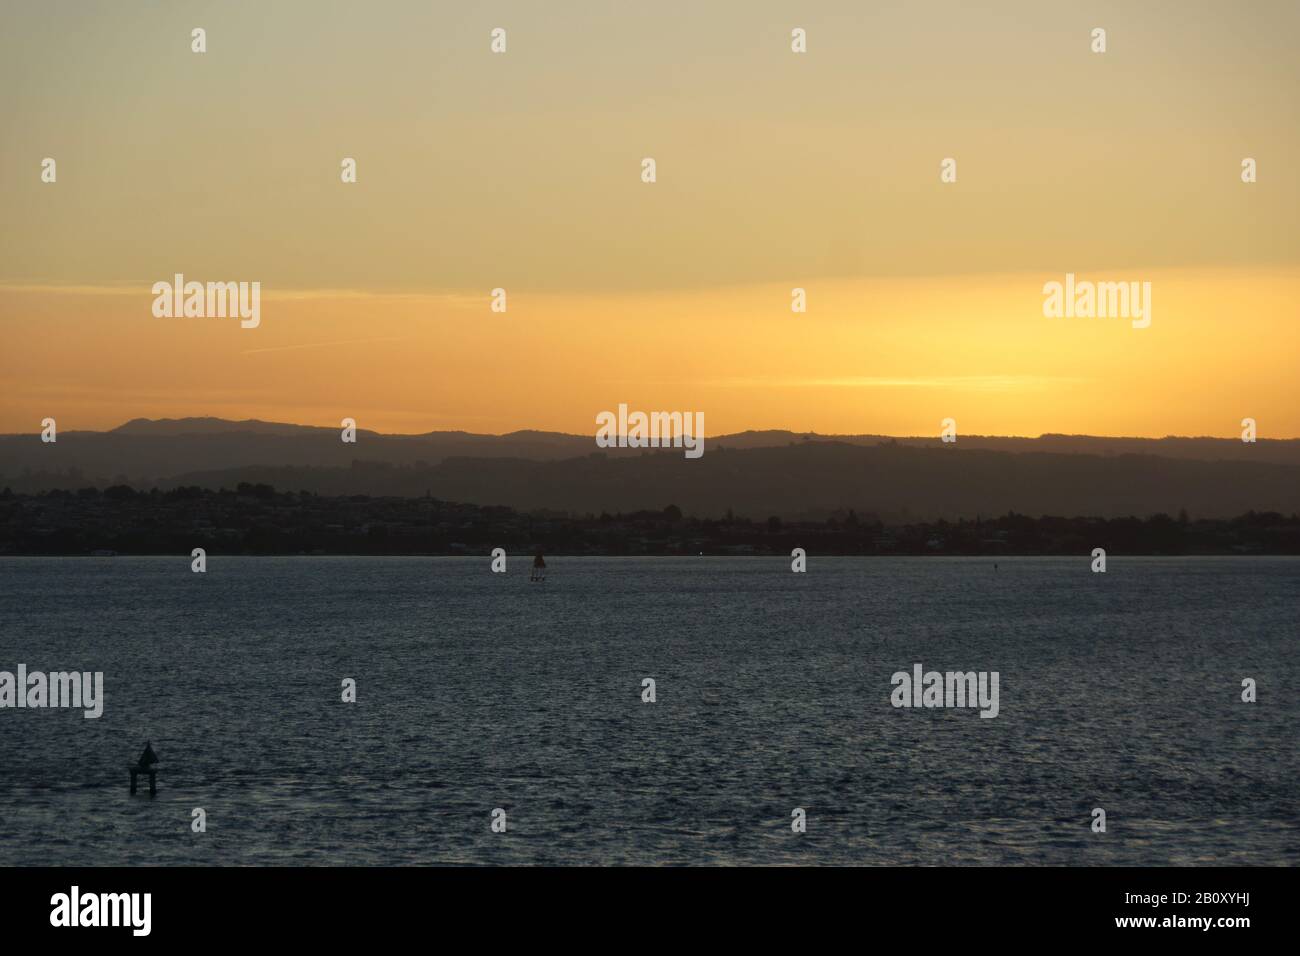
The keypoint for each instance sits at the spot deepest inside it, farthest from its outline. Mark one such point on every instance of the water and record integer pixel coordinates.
(478, 691)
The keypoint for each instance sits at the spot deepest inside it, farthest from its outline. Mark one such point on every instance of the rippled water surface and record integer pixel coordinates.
(478, 691)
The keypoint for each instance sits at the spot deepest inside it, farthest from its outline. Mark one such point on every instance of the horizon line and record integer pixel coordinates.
(584, 435)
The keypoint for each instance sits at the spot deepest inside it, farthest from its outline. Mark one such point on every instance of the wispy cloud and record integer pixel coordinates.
(976, 383)
(318, 345)
(142, 288)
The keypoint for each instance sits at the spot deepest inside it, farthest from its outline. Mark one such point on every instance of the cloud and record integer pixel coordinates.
(976, 383)
(317, 345)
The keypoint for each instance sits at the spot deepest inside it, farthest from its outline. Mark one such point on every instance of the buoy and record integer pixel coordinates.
(151, 770)
(148, 763)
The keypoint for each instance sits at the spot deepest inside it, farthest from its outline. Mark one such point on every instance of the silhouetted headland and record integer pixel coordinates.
(792, 475)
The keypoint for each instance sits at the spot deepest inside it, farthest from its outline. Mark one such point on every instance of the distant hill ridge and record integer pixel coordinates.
(1285, 451)
(755, 473)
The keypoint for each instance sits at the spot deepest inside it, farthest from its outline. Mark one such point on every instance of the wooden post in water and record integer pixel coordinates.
(151, 770)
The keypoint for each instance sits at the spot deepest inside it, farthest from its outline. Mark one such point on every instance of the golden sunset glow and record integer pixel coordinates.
(775, 171)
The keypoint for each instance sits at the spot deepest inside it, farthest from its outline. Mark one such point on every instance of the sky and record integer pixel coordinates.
(774, 170)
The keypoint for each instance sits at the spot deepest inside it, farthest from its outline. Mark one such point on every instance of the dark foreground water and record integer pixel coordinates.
(478, 691)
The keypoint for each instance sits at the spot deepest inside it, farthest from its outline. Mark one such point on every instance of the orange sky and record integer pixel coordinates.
(775, 170)
(893, 356)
